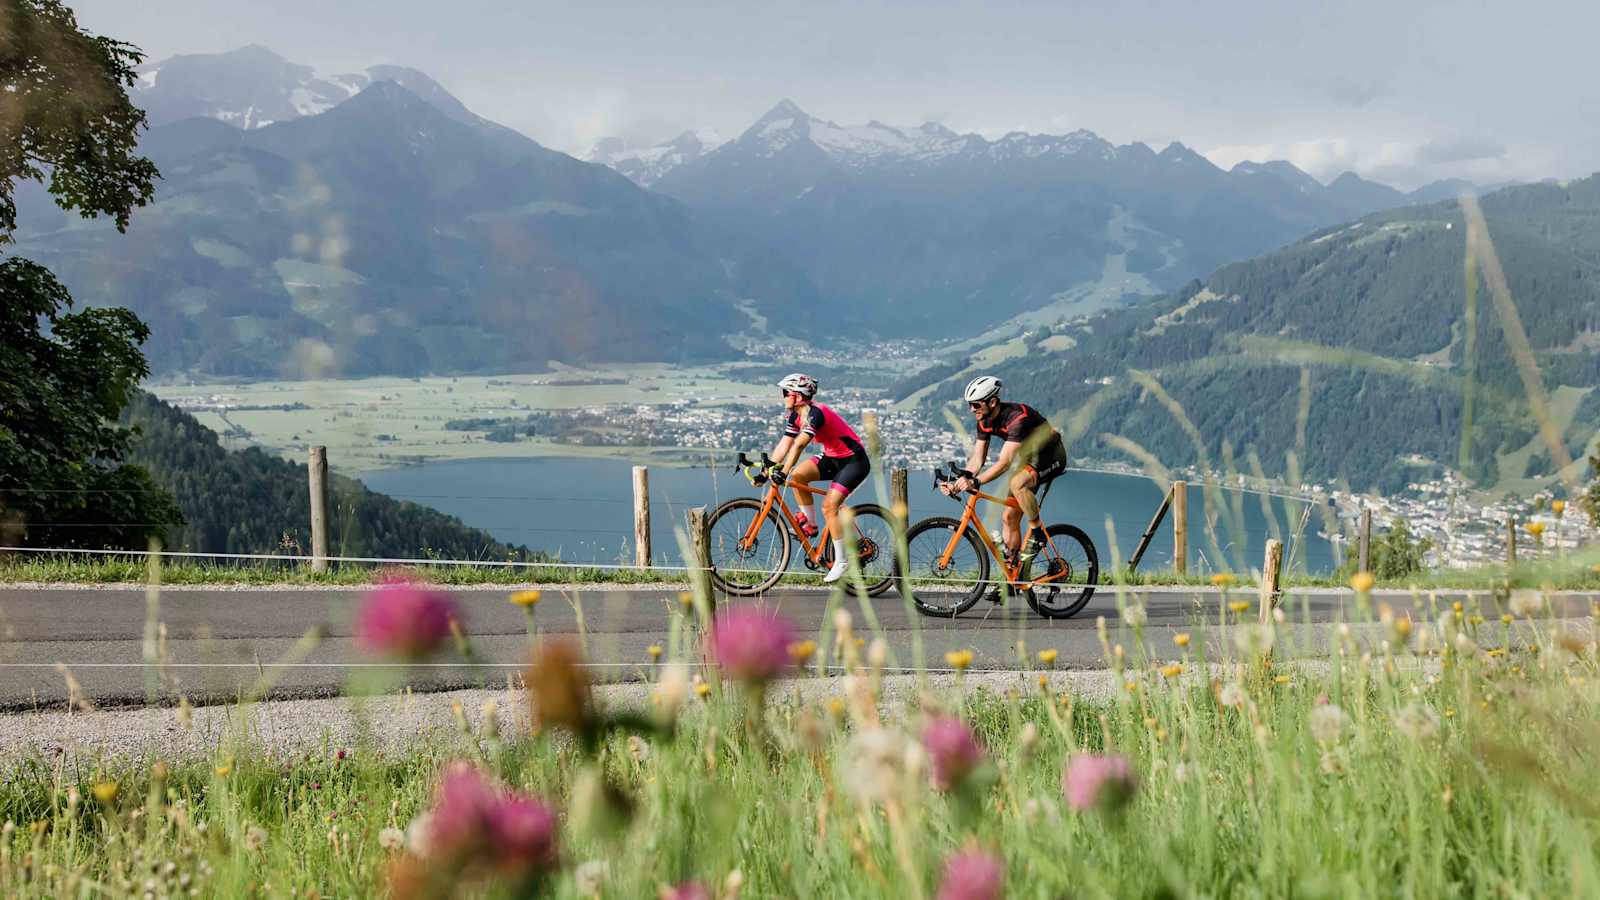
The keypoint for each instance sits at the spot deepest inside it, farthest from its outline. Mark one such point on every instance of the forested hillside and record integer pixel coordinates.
(249, 501)
(1369, 322)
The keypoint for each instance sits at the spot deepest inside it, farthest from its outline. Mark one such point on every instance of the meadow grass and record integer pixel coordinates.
(1419, 765)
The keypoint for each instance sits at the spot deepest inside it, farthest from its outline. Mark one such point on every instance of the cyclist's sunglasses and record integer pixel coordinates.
(980, 404)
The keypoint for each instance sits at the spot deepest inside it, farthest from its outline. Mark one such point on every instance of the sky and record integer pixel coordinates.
(1403, 91)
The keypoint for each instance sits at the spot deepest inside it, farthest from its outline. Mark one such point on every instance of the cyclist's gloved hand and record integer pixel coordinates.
(755, 474)
(777, 476)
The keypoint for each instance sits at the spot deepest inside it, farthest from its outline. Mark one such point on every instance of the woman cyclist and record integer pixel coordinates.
(843, 460)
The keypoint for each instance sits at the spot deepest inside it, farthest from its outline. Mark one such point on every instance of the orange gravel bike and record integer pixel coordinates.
(748, 539)
(946, 569)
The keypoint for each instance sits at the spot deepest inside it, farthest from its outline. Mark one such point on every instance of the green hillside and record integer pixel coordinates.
(1369, 320)
(249, 501)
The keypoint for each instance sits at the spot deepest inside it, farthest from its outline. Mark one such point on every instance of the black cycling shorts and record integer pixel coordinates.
(1048, 461)
(846, 472)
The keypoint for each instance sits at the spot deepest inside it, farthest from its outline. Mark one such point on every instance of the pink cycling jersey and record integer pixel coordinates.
(826, 428)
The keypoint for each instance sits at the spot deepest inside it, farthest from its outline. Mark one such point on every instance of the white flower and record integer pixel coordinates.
(590, 876)
(877, 758)
(1027, 739)
(878, 653)
(391, 838)
(1327, 721)
(1417, 722)
(418, 834)
(638, 748)
(1526, 602)
(1255, 640)
(672, 690)
(1464, 644)
(1134, 616)
(1232, 694)
(255, 837)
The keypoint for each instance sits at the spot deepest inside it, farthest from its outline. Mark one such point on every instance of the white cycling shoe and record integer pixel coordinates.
(837, 572)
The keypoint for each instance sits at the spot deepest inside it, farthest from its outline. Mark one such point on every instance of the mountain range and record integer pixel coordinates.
(1370, 320)
(370, 223)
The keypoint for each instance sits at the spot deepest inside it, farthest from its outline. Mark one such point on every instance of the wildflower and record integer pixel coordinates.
(404, 621)
(525, 599)
(877, 764)
(1172, 670)
(972, 874)
(457, 820)
(686, 599)
(1095, 782)
(558, 689)
(589, 876)
(1224, 579)
(223, 770)
(255, 837)
(958, 659)
(751, 645)
(878, 654)
(802, 651)
(654, 650)
(953, 749)
(1254, 639)
(391, 838)
(522, 832)
(1417, 722)
(1327, 722)
(638, 748)
(1402, 629)
(105, 792)
(1536, 529)
(1232, 695)
(702, 689)
(1181, 639)
(672, 689)
(1558, 506)
(1048, 657)
(1506, 618)
(689, 890)
(1238, 606)
(1362, 582)
(1280, 679)
(1464, 645)
(1526, 602)
(1027, 740)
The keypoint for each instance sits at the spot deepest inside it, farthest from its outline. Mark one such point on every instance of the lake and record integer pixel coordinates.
(581, 509)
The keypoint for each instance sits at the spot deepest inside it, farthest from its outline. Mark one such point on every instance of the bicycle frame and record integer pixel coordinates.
(775, 493)
(969, 519)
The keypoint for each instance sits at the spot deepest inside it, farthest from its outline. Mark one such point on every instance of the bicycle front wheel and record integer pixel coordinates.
(874, 545)
(1070, 562)
(945, 569)
(740, 567)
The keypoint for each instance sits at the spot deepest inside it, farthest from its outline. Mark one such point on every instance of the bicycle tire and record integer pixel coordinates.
(877, 565)
(1070, 546)
(722, 548)
(935, 534)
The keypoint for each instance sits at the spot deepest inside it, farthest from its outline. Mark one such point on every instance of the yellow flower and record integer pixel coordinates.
(1172, 670)
(1238, 606)
(1361, 582)
(835, 707)
(686, 599)
(1044, 682)
(1281, 679)
(1402, 628)
(800, 651)
(654, 650)
(1456, 606)
(1536, 529)
(1506, 618)
(525, 598)
(105, 791)
(1475, 620)
(1181, 639)
(223, 770)
(701, 689)
(1224, 579)
(1558, 506)
(1048, 657)
(958, 659)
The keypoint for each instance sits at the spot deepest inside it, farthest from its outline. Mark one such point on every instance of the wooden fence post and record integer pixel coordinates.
(641, 517)
(1511, 540)
(1180, 527)
(317, 466)
(899, 493)
(1271, 566)
(700, 565)
(1364, 542)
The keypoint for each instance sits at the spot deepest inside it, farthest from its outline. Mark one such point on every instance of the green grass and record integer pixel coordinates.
(1237, 796)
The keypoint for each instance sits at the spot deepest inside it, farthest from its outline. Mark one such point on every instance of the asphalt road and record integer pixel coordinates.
(218, 642)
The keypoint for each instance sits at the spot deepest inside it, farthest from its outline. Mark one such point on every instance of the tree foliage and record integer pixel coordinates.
(65, 118)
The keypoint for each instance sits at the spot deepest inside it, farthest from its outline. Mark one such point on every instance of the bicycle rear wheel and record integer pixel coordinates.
(874, 543)
(938, 586)
(752, 569)
(1071, 555)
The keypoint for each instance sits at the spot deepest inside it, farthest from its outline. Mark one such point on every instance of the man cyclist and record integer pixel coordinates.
(843, 461)
(1029, 439)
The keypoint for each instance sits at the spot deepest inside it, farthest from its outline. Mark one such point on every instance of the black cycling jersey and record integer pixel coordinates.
(1012, 421)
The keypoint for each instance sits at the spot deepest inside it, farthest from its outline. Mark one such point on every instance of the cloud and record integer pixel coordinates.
(1460, 149)
(1352, 92)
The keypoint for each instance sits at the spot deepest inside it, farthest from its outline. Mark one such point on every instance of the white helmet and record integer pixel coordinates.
(982, 388)
(799, 384)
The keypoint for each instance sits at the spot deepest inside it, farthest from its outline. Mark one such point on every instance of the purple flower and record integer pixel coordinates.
(972, 874)
(953, 751)
(522, 833)
(751, 645)
(1097, 782)
(689, 890)
(404, 621)
(457, 821)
